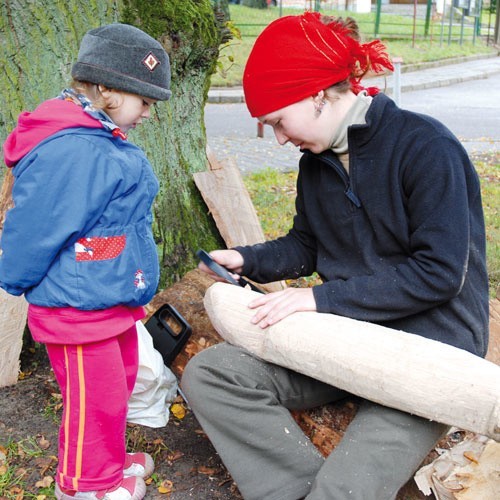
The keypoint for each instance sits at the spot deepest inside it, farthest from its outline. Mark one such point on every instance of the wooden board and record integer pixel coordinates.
(227, 198)
(390, 367)
(229, 203)
(13, 310)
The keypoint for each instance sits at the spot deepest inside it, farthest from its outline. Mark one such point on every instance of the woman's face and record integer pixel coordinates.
(310, 123)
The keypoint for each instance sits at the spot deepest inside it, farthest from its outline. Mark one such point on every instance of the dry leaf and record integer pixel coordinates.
(209, 471)
(178, 411)
(45, 482)
(21, 472)
(43, 443)
(16, 492)
(172, 457)
(166, 487)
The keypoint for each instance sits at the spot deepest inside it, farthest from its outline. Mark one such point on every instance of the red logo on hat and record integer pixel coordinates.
(151, 61)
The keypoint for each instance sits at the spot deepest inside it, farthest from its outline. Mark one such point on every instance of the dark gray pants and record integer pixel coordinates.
(242, 404)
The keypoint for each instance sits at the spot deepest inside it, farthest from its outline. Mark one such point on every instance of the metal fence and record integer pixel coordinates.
(448, 21)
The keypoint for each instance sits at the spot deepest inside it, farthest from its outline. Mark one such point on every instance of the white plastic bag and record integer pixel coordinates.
(155, 387)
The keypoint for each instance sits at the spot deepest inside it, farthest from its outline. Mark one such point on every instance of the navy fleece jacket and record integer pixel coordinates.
(400, 241)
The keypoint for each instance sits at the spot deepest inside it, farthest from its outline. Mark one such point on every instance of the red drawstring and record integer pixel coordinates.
(118, 133)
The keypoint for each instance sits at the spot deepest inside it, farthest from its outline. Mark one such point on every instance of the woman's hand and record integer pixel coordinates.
(230, 259)
(275, 306)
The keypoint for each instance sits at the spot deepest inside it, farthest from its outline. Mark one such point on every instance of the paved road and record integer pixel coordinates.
(471, 110)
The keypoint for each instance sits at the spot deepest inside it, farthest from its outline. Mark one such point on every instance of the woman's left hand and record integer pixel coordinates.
(275, 306)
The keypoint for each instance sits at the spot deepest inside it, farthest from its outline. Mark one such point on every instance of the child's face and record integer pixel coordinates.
(128, 110)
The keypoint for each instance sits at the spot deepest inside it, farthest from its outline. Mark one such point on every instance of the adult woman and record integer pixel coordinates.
(389, 215)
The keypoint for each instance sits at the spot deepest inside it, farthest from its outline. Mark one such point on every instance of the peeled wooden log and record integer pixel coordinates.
(13, 313)
(393, 368)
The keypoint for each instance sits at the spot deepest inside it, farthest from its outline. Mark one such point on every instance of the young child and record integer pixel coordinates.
(388, 212)
(78, 244)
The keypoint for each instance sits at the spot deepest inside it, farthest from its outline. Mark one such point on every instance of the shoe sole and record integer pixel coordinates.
(138, 494)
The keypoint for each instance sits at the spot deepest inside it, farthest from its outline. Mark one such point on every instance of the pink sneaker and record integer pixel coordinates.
(130, 488)
(139, 465)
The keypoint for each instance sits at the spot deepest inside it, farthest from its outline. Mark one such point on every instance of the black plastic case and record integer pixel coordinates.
(170, 332)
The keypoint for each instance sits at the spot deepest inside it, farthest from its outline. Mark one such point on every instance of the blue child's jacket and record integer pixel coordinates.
(80, 233)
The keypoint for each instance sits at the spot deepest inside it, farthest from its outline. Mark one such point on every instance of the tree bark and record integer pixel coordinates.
(497, 24)
(257, 4)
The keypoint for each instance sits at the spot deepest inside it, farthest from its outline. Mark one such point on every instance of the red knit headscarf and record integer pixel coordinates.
(297, 56)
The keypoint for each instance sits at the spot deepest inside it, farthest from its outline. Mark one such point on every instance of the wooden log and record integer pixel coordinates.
(393, 368)
(13, 310)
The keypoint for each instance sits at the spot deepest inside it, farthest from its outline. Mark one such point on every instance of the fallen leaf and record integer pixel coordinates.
(166, 487)
(43, 443)
(45, 482)
(3, 469)
(178, 411)
(172, 457)
(209, 471)
(21, 472)
(17, 492)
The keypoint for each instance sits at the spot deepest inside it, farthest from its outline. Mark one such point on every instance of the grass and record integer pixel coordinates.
(273, 195)
(396, 32)
(488, 168)
(14, 478)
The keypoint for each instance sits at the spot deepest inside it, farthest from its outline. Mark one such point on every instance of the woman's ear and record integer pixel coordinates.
(319, 102)
(319, 97)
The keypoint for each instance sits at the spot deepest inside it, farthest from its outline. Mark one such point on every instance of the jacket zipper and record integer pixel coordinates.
(344, 176)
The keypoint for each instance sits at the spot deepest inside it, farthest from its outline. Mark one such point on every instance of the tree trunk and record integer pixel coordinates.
(175, 140)
(497, 24)
(258, 4)
(40, 41)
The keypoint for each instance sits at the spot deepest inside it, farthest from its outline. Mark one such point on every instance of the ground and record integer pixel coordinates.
(29, 416)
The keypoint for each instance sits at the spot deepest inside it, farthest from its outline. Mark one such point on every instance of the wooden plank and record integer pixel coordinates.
(229, 203)
(13, 310)
(393, 368)
(225, 194)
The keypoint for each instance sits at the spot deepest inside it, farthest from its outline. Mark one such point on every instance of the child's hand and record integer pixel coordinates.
(275, 306)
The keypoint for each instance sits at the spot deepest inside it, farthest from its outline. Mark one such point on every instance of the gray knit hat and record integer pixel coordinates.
(123, 57)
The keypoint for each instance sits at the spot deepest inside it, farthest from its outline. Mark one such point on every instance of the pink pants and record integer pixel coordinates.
(96, 381)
